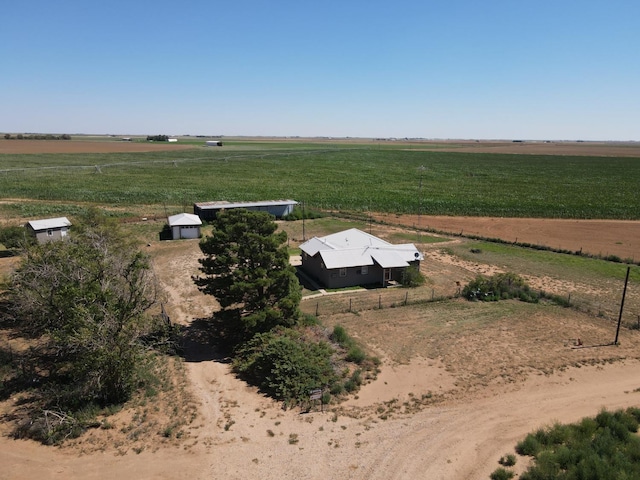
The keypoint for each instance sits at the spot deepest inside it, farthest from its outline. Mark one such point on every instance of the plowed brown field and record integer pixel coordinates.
(84, 146)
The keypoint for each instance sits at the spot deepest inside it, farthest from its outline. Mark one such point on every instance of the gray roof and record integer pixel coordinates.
(353, 248)
(184, 220)
(265, 203)
(49, 223)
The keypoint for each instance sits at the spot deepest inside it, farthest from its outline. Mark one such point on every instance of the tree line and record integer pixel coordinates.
(48, 136)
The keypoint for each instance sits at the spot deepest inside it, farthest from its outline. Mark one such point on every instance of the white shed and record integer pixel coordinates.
(184, 225)
(49, 229)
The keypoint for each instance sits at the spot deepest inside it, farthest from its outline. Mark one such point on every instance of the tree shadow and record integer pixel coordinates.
(202, 342)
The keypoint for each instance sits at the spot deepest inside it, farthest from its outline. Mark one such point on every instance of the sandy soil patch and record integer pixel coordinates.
(77, 146)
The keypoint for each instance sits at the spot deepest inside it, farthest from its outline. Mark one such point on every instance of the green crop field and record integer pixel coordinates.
(343, 177)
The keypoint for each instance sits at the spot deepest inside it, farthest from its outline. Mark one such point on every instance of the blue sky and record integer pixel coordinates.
(498, 69)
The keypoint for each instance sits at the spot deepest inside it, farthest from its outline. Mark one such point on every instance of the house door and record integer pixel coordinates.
(387, 276)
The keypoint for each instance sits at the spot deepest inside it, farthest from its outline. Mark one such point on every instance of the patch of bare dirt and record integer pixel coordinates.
(84, 146)
(597, 237)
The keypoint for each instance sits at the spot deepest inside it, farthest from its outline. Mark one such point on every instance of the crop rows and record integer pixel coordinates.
(354, 178)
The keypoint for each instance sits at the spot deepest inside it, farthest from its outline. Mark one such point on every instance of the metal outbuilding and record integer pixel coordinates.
(277, 208)
(49, 229)
(184, 225)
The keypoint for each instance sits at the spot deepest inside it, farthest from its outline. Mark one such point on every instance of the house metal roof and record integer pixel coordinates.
(224, 204)
(184, 220)
(49, 223)
(353, 247)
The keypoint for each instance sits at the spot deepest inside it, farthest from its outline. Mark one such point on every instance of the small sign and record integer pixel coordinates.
(315, 394)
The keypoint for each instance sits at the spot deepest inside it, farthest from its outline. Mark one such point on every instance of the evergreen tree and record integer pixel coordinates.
(246, 267)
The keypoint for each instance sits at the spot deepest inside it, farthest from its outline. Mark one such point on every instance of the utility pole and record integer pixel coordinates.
(624, 293)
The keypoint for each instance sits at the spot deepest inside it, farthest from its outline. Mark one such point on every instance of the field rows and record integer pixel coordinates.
(354, 178)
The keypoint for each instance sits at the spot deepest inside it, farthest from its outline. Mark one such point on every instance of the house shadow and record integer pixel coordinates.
(199, 343)
(305, 280)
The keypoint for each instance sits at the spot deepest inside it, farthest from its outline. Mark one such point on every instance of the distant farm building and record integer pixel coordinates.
(49, 229)
(184, 225)
(213, 143)
(277, 208)
(353, 257)
(172, 140)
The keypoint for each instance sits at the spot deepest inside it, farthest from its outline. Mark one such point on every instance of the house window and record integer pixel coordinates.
(343, 272)
(365, 270)
(49, 233)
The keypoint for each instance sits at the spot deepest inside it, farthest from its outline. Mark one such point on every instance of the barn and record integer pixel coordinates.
(184, 225)
(353, 257)
(49, 229)
(277, 208)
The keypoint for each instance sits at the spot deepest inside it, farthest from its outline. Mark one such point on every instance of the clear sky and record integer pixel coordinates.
(494, 69)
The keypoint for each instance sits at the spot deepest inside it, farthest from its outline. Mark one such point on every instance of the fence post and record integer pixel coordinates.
(317, 304)
(350, 305)
(380, 302)
(406, 297)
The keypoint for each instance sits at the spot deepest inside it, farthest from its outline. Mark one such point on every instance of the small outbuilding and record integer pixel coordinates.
(277, 208)
(49, 229)
(184, 225)
(353, 257)
(213, 143)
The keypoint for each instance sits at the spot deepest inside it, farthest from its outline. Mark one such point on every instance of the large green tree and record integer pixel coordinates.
(246, 267)
(86, 298)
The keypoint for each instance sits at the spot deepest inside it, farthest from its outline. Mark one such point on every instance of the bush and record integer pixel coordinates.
(508, 460)
(530, 446)
(604, 447)
(502, 286)
(298, 214)
(356, 355)
(340, 336)
(501, 474)
(412, 277)
(285, 365)
(15, 237)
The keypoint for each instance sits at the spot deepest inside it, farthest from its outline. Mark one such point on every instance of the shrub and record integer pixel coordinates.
(502, 286)
(412, 277)
(508, 460)
(356, 355)
(285, 365)
(603, 447)
(530, 446)
(501, 474)
(340, 335)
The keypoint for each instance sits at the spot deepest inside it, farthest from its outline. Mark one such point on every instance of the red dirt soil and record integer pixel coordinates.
(597, 237)
(81, 146)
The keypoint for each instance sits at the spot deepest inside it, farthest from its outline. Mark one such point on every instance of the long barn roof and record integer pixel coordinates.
(224, 204)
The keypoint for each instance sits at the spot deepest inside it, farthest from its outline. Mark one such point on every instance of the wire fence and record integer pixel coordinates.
(361, 300)
(603, 305)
